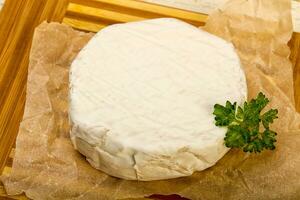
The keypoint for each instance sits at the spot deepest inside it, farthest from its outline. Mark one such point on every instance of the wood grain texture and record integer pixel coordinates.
(295, 58)
(17, 21)
(84, 25)
(119, 11)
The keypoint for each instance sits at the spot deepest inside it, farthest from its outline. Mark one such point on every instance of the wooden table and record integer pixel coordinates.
(18, 19)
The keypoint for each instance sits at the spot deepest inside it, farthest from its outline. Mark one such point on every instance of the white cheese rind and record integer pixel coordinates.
(142, 96)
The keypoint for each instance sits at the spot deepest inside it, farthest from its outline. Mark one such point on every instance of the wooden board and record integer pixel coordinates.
(18, 20)
(295, 58)
(92, 15)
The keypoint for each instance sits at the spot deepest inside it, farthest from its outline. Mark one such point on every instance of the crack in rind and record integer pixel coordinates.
(102, 142)
(135, 165)
(180, 169)
(199, 157)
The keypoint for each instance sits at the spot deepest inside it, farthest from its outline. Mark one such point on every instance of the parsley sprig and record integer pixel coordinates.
(243, 124)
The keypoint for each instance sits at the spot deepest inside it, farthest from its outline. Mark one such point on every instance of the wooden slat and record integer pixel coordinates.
(83, 25)
(92, 15)
(142, 9)
(103, 14)
(118, 9)
(88, 18)
(12, 111)
(295, 58)
(17, 21)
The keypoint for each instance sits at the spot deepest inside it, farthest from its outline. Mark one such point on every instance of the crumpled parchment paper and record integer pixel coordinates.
(47, 167)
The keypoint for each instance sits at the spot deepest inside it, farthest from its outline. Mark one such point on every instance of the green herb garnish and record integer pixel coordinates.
(244, 129)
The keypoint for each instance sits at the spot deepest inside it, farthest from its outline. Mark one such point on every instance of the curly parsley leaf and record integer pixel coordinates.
(244, 124)
(225, 115)
(269, 139)
(236, 136)
(268, 117)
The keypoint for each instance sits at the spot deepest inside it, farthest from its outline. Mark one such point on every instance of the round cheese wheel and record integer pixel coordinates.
(142, 97)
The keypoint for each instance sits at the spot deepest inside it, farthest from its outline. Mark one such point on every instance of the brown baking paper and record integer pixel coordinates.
(47, 167)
